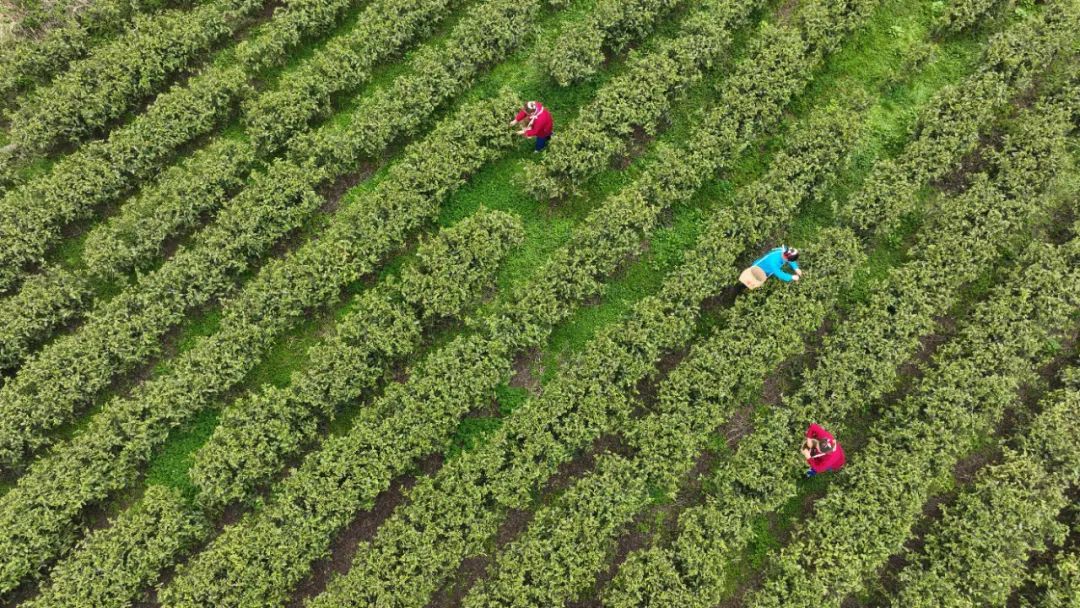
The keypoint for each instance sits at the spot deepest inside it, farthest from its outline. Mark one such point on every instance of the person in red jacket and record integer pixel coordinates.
(538, 123)
(821, 450)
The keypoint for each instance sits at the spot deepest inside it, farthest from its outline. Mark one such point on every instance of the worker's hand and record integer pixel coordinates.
(798, 272)
(522, 132)
(795, 278)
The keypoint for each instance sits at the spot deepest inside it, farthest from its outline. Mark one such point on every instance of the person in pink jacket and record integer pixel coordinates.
(538, 123)
(822, 451)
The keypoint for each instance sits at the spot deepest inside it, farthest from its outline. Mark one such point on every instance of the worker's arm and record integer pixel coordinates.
(518, 117)
(795, 267)
(783, 276)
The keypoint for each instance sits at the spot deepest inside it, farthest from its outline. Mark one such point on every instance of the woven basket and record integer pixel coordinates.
(753, 277)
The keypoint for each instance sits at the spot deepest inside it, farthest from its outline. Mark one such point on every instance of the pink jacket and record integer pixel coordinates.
(833, 461)
(541, 125)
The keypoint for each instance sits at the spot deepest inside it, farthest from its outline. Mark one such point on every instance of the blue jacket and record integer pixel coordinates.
(773, 264)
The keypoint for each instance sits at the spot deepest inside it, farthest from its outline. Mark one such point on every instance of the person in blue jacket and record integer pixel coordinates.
(773, 262)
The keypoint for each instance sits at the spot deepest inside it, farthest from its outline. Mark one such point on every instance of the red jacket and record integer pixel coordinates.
(832, 461)
(542, 124)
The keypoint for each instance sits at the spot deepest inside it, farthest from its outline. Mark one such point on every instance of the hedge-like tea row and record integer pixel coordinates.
(568, 542)
(960, 15)
(45, 300)
(258, 560)
(112, 565)
(610, 25)
(36, 516)
(440, 283)
(260, 431)
(1057, 585)
(38, 58)
(101, 171)
(856, 365)
(129, 240)
(639, 98)
(977, 553)
(951, 126)
(142, 229)
(46, 393)
(487, 32)
(113, 78)
(960, 400)
(58, 380)
(174, 204)
(451, 514)
(393, 112)
(342, 65)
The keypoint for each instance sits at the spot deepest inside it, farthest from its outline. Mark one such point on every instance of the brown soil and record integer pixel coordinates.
(909, 372)
(639, 142)
(362, 529)
(632, 539)
(399, 372)
(333, 194)
(964, 473)
(967, 468)
(738, 426)
(636, 535)
(735, 600)
(783, 14)
(570, 471)
(1058, 230)
(1043, 559)
(958, 180)
(527, 372)
(24, 592)
(517, 521)
(231, 515)
(96, 518)
(783, 536)
(470, 571)
(474, 568)
(929, 345)
(772, 390)
(648, 388)
(723, 300)
(122, 384)
(262, 16)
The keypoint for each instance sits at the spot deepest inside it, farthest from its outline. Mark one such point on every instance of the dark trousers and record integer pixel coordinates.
(541, 143)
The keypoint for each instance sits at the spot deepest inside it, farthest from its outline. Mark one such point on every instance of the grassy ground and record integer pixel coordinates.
(894, 62)
(496, 186)
(870, 63)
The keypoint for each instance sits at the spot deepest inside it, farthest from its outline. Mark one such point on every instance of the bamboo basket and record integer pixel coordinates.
(753, 277)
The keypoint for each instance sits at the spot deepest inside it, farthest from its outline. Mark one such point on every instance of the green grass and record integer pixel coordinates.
(548, 226)
(890, 62)
(170, 467)
(769, 530)
(289, 352)
(497, 186)
(866, 66)
(870, 65)
(890, 121)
